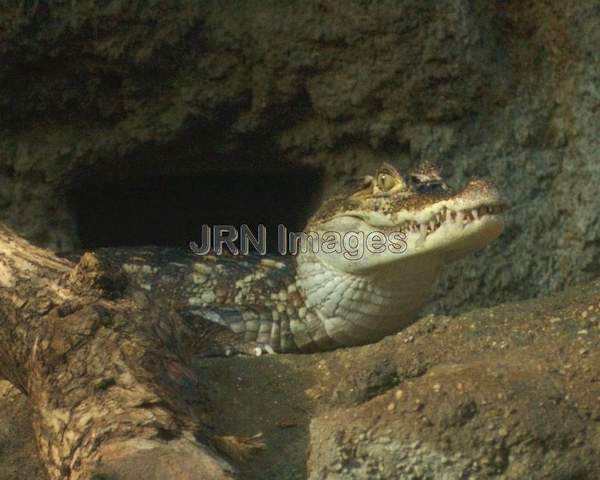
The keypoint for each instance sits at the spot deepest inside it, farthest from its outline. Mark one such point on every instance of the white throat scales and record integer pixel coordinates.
(361, 308)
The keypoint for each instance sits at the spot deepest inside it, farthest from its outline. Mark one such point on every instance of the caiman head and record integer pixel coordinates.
(388, 220)
(382, 242)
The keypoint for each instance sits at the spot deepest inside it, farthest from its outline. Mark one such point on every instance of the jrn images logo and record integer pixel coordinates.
(352, 245)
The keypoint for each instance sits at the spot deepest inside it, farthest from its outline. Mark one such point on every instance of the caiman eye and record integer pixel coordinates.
(385, 182)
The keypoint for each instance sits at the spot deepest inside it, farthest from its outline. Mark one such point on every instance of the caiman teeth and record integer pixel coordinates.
(447, 215)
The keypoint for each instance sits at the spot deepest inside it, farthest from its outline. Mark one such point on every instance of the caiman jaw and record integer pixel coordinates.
(460, 216)
(438, 224)
(449, 215)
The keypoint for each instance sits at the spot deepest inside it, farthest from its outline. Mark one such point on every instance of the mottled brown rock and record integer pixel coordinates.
(502, 89)
(507, 392)
(18, 456)
(105, 374)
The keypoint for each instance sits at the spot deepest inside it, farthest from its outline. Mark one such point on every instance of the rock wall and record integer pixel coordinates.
(507, 90)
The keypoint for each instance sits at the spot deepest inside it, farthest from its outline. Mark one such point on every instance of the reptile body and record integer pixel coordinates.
(321, 300)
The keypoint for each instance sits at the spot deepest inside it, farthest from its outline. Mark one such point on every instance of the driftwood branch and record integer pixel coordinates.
(105, 369)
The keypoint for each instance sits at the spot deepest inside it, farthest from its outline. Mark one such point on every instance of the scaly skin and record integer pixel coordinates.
(320, 301)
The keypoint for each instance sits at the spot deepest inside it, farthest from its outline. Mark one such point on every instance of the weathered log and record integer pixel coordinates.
(105, 369)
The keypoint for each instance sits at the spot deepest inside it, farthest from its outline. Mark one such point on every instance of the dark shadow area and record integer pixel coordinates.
(170, 209)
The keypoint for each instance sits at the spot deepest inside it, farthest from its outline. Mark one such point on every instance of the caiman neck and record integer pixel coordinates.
(361, 308)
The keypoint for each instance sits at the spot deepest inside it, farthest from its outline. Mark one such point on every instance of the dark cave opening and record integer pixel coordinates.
(169, 209)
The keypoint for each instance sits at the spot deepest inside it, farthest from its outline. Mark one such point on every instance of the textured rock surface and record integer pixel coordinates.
(507, 90)
(17, 445)
(507, 392)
